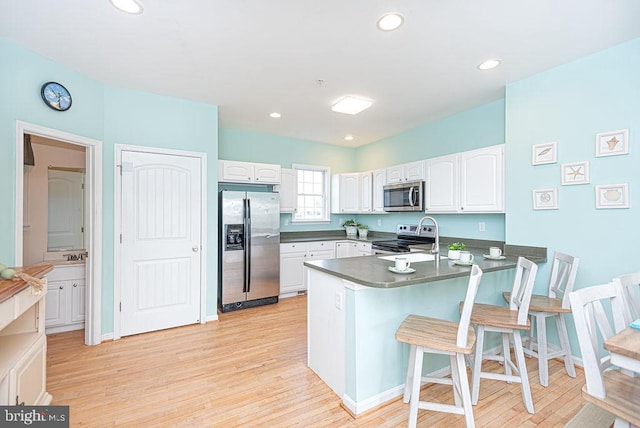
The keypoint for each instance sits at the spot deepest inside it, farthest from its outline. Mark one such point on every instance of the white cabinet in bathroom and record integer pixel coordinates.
(65, 308)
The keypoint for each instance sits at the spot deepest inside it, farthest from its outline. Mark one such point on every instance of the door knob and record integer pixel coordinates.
(195, 249)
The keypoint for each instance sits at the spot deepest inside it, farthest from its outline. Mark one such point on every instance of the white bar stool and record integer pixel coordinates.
(508, 321)
(436, 336)
(554, 305)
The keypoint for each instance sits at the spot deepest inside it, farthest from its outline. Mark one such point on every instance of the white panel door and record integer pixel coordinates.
(65, 221)
(160, 250)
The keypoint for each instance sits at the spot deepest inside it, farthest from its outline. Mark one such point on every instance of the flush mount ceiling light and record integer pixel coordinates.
(128, 6)
(489, 64)
(351, 105)
(390, 21)
(348, 137)
(275, 115)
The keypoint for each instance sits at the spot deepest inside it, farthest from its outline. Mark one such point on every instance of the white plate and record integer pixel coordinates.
(407, 270)
(487, 256)
(461, 263)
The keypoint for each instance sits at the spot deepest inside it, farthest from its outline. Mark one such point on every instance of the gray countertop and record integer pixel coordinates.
(331, 235)
(371, 271)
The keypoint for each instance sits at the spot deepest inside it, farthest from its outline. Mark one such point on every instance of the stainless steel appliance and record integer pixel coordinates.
(407, 196)
(249, 250)
(405, 237)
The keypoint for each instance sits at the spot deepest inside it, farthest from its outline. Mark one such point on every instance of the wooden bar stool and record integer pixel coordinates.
(554, 305)
(508, 321)
(436, 336)
(612, 390)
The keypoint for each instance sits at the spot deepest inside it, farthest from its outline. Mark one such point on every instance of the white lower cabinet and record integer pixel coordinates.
(65, 308)
(292, 258)
(352, 249)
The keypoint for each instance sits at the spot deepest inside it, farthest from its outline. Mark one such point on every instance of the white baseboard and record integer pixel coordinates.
(107, 336)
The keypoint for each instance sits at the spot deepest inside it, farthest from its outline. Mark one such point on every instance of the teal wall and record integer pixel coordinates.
(112, 115)
(569, 105)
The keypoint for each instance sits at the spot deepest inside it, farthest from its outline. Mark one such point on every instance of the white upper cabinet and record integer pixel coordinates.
(345, 193)
(482, 180)
(469, 182)
(379, 178)
(288, 190)
(441, 184)
(406, 172)
(248, 172)
(366, 192)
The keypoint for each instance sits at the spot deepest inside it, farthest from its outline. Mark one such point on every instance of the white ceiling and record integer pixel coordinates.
(252, 57)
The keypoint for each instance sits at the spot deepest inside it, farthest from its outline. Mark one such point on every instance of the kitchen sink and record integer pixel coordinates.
(412, 257)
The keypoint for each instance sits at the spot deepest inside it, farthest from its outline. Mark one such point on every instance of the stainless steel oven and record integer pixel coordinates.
(407, 196)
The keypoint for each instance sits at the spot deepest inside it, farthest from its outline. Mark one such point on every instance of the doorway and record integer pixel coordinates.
(92, 217)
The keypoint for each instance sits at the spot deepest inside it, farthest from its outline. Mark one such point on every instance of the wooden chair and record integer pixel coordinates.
(611, 390)
(436, 336)
(508, 321)
(554, 305)
(630, 288)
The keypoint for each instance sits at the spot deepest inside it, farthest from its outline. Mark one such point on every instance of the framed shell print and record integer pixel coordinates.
(575, 173)
(545, 199)
(612, 196)
(544, 153)
(612, 143)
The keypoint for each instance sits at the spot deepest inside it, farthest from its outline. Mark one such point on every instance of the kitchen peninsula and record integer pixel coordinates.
(355, 306)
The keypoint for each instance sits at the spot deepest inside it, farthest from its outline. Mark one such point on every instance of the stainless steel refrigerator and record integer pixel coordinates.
(249, 250)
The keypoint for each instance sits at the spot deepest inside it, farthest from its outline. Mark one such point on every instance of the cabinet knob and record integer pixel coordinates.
(61, 287)
(75, 285)
(257, 179)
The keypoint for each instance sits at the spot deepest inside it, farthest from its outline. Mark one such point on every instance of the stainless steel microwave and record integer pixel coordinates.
(407, 196)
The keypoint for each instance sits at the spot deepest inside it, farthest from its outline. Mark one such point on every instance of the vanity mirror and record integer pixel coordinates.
(65, 226)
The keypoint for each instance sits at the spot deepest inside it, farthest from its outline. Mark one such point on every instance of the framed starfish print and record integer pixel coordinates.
(575, 173)
(612, 143)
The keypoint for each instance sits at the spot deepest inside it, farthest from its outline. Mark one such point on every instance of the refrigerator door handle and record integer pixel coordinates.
(248, 243)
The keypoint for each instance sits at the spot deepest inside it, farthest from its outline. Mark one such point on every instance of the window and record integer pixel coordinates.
(312, 193)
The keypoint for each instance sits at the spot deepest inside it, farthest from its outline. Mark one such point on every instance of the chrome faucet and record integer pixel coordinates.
(435, 248)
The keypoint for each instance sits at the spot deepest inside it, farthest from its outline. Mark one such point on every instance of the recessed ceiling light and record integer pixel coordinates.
(275, 115)
(348, 137)
(351, 105)
(129, 6)
(390, 21)
(489, 64)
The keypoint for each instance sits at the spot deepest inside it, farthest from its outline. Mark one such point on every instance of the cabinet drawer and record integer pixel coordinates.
(61, 273)
(321, 245)
(293, 247)
(364, 246)
(7, 312)
(26, 299)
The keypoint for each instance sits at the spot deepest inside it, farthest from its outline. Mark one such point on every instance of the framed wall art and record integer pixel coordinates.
(575, 173)
(612, 143)
(544, 153)
(612, 196)
(545, 199)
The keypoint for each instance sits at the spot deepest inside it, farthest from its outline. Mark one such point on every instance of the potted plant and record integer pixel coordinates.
(454, 250)
(363, 229)
(351, 226)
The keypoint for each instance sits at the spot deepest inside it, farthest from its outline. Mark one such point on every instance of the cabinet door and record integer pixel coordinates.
(395, 174)
(348, 193)
(288, 190)
(442, 184)
(266, 173)
(379, 178)
(292, 271)
(482, 180)
(321, 254)
(346, 249)
(56, 303)
(77, 304)
(28, 377)
(237, 172)
(413, 171)
(364, 248)
(366, 192)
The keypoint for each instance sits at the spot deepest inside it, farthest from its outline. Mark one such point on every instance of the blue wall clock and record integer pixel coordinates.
(56, 96)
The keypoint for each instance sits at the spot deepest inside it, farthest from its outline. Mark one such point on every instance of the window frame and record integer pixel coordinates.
(327, 193)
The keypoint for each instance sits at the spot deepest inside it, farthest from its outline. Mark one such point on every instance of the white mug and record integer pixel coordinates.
(402, 263)
(466, 257)
(495, 252)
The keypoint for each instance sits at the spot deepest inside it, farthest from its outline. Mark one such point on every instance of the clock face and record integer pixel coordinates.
(56, 96)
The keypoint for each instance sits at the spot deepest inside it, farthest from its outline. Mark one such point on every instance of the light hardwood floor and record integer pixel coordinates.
(249, 369)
